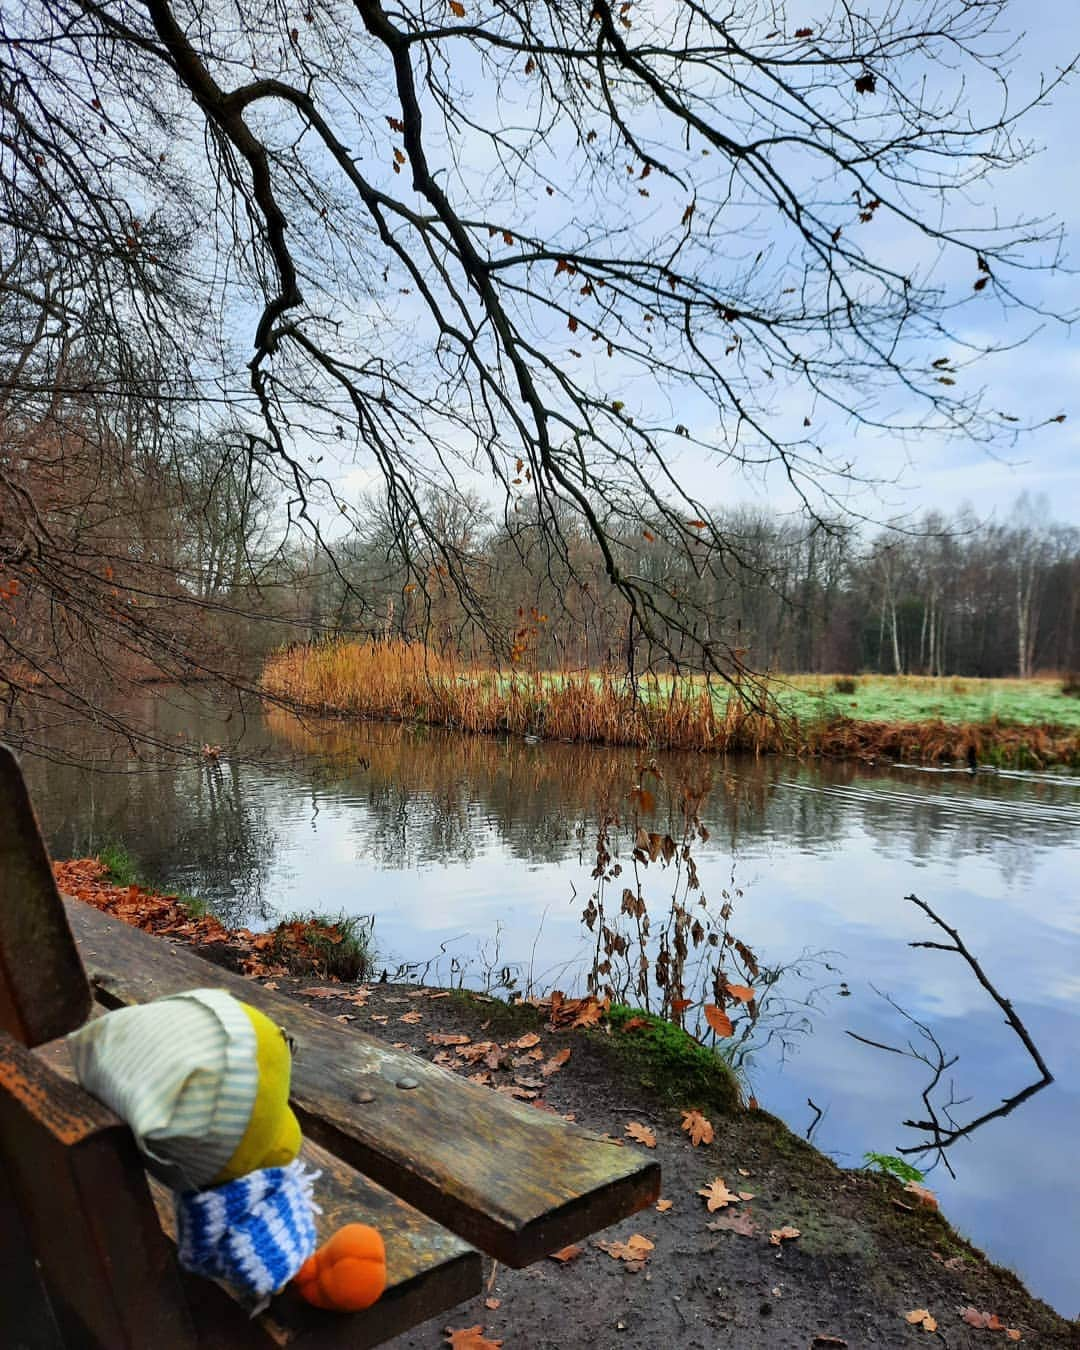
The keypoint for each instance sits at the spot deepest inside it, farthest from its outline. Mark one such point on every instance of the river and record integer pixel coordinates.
(475, 857)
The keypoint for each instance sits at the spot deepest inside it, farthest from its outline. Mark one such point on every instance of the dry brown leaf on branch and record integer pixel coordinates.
(718, 1020)
(565, 1254)
(741, 992)
(921, 1317)
(738, 1221)
(717, 1195)
(697, 1127)
(470, 1338)
(779, 1235)
(641, 1134)
(555, 1063)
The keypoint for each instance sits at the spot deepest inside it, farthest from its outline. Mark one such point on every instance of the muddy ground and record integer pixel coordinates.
(867, 1255)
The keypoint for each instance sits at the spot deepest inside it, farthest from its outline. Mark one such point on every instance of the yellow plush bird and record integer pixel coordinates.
(203, 1080)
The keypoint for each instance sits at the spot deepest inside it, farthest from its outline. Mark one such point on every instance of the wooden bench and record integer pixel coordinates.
(441, 1166)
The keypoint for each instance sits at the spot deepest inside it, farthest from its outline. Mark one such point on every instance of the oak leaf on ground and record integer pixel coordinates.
(697, 1127)
(641, 1134)
(738, 1221)
(470, 1338)
(634, 1251)
(717, 1195)
(779, 1235)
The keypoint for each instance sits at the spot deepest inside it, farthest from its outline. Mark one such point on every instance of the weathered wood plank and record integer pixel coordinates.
(81, 1192)
(517, 1182)
(43, 989)
(429, 1270)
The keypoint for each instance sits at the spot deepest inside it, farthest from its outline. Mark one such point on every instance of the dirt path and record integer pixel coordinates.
(868, 1253)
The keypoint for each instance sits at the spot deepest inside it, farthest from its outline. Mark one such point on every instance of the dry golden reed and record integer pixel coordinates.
(397, 681)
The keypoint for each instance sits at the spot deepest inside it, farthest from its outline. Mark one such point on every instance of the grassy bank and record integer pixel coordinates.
(1021, 723)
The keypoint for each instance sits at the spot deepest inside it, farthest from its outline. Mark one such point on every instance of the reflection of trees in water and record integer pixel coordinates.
(432, 796)
(198, 828)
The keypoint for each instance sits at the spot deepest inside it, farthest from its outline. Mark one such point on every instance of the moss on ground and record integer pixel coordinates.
(669, 1063)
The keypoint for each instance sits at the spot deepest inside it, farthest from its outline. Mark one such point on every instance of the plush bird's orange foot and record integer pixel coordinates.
(347, 1273)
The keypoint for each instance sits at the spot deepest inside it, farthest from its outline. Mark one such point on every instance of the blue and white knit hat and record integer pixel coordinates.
(254, 1233)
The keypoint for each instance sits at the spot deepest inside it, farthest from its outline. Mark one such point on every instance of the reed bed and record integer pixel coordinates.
(405, 682)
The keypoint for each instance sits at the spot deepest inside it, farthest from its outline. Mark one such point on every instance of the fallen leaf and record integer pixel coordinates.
(634, 1251)
(717, 1195)
(470, 1338)
(555, 1063)
(492, 1303)
(663, 1206)
(565, 1254)
(411, 1017)
(984, 1321)
(923, 1194)
(323, 991)
(921, 1317)
(527, 1041)
(738, 1221)
(447, 1038)
(641, 1134)
(697, 1127)
(778, 1235)
(718, 1020)
(1012, 1334)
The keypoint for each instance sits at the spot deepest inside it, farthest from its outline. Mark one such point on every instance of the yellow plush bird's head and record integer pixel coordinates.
(272, 1137)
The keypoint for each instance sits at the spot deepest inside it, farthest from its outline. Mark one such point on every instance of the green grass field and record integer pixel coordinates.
(915, 698)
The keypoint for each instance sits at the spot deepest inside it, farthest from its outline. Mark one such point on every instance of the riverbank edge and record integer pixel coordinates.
(974, 745)
(859, 1232)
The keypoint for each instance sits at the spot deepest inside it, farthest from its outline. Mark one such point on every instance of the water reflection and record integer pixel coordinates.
(475, 855)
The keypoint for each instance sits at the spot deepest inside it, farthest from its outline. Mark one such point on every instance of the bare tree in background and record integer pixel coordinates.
(509, 245)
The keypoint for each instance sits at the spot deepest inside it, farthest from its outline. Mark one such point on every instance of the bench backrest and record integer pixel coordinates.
(44, 992)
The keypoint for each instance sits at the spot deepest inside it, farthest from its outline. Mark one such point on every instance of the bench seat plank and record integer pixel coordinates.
(517, 1182)
(429, 1270)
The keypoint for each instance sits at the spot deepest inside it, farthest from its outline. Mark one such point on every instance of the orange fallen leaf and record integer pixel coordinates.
(778, 1235)
(527, 1041)
(697, 1127)
(470, 1338)
(921, 1317)
(663, 1206)
(1012, 1334)
(411, 1017)
(717, 1195)
(565, 1254)
(923, 1194)
(634, 1251)
(555, 1063)
(641, 1134)
(492, 1303)
(447, 1038)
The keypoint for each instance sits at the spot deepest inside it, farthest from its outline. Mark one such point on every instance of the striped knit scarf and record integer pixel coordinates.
(254, 1234)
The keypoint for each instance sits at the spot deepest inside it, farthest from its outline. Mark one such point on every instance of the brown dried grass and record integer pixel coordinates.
(403, 682)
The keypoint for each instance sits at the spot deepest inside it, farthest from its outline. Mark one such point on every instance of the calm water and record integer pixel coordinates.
(475, 858)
